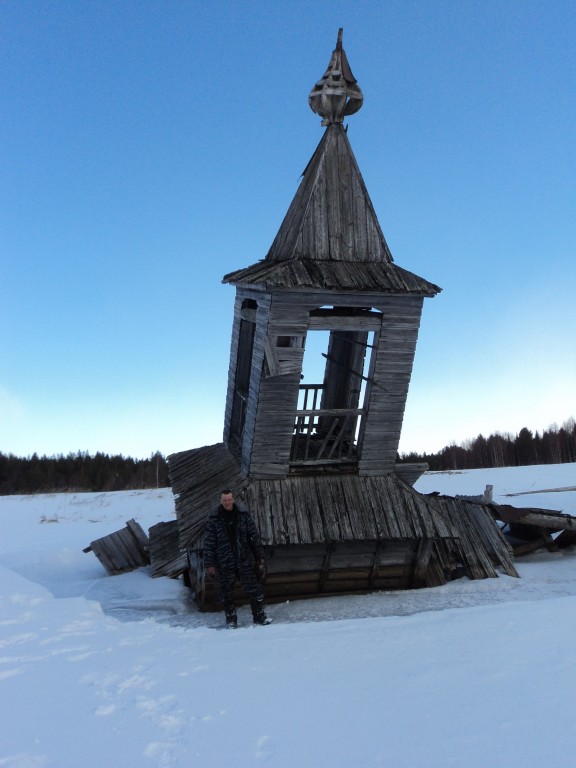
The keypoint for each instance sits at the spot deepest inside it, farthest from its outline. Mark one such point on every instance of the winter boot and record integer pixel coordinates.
(231, 618)
(258, 613)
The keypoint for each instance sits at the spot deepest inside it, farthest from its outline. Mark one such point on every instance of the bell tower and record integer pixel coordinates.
(323, 342)
(328, 279)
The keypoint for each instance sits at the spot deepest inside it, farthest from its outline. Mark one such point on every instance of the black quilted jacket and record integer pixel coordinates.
(217, 549)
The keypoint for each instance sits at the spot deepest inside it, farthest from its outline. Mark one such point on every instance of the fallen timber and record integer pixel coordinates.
(316, 463)
(166, 558)
(123, 550)
(534, 528)
(531, 528)
(298, 571)
(337, 534)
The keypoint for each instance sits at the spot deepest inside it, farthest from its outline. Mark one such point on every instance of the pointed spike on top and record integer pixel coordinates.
(337, 93)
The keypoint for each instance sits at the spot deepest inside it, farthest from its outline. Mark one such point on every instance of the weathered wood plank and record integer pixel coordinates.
(123, 550)
(166, 557)
(302, 510)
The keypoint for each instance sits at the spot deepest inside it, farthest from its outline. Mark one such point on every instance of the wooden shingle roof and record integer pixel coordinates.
(323, 508)
(333, 275)
(330, 237)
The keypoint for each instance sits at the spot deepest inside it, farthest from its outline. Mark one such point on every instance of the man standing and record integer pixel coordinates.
(231, 544)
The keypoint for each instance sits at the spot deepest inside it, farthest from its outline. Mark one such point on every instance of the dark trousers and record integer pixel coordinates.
(249, 582)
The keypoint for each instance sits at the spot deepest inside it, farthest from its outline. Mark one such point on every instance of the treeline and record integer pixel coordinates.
(101, 472)
(556, 445)
(80, 472)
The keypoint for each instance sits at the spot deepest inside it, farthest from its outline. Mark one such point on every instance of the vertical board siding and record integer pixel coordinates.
(391, 373)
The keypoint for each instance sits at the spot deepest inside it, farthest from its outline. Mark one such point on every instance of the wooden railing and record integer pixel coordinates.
(322, 435)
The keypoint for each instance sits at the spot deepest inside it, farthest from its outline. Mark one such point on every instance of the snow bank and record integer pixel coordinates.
(98, 670)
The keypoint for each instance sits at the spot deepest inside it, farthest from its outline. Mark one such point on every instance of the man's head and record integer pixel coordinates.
(227, 500)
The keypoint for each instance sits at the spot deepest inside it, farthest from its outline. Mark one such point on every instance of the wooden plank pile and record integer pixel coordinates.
(197, 477)
(341, 533)
(529, 528)
(166, 557)
(123, 550)
(482, 549)
(532, 528)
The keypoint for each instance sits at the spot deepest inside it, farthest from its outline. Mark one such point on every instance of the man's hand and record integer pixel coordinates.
(211, 570)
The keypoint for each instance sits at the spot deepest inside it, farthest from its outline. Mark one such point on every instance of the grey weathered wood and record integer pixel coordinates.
(311, 510)
(330, 569)
(543, 541)
(410, 472)
(334, 510)
(123, 550)
(166, 557)
(542, 518)
(421, 561)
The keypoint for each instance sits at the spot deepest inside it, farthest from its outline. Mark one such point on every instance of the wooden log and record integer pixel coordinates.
(551, 519)
(528, 531)
(545, 540)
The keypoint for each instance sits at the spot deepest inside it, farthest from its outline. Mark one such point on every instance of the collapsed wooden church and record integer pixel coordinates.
(316, 462)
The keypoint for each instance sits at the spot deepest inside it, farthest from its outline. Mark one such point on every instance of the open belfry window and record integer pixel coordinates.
(246, 333)
(336, 383)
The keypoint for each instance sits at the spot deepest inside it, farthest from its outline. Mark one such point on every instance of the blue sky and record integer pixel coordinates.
(148, 148)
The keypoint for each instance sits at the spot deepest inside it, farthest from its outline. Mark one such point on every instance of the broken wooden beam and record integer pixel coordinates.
(545, 540)
(123, 550)
(550, 519)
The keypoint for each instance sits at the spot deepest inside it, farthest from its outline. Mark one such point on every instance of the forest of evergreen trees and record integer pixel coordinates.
(101, 472)
(556, 445)
(80, 472)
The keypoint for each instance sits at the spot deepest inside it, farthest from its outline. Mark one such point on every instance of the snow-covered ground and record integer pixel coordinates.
(124, 671)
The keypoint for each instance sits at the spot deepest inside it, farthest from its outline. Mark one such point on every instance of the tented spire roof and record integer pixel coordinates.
(330, 237)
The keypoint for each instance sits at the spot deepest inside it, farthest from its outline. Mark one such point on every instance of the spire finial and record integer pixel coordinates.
(337, 94)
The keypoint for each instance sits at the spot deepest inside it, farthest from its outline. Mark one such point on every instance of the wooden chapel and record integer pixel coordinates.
(315, 461)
